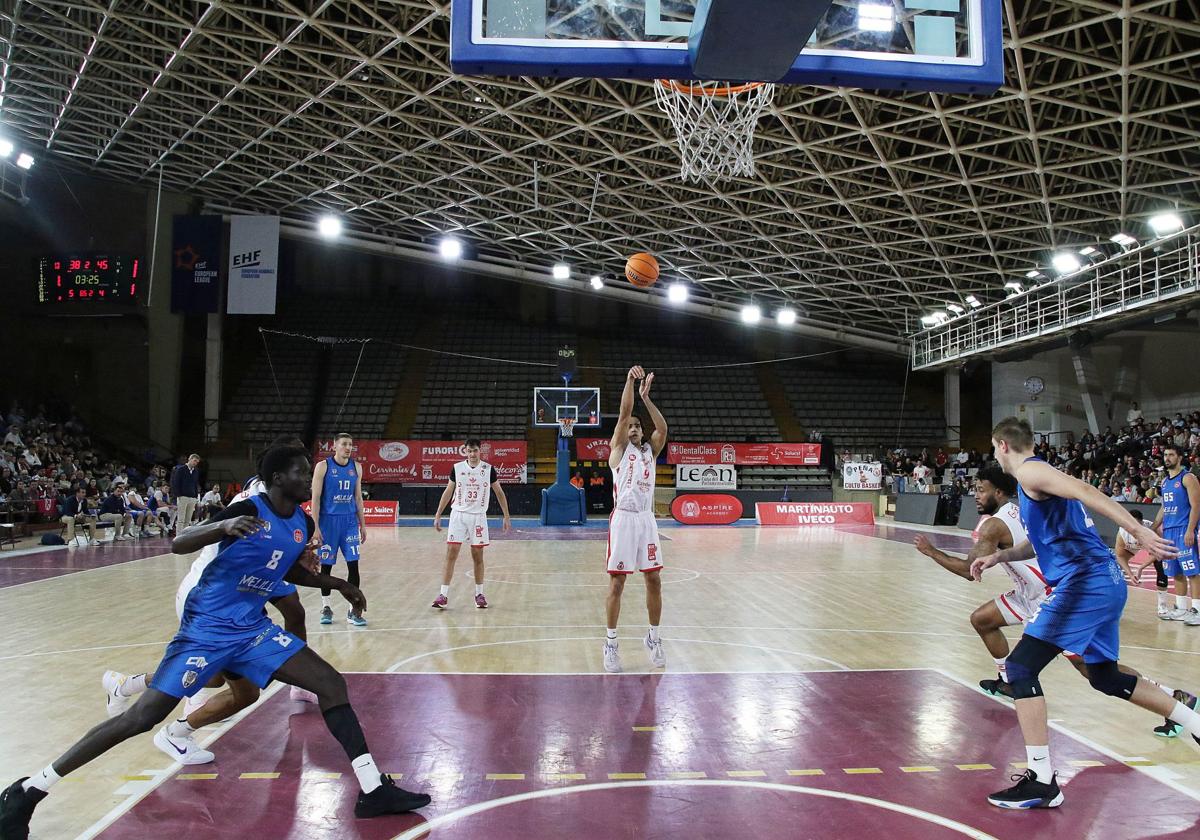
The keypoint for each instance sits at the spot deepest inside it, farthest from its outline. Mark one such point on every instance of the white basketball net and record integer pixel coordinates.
(714, 124)
(566, 427)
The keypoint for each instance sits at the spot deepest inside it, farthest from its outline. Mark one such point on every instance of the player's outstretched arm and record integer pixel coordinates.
(1016, 554)
(1192, 485)
(621, 433)
(442, 502)
(989, 538)
(658, 438)
(198, 536)
(301, 576)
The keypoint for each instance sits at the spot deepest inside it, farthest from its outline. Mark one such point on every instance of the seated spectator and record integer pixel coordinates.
(112, 510)
(1134, 414)
(143, 516)
(212, 503)
(75, 512)
(160, 503)
(14, 436)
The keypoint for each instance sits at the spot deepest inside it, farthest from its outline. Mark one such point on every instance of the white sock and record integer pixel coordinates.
(478, 588)
(367, 772)
(445, 590)
(132, 685)
(1181, 602)
(1162, 598)
(1186, 718)
(43, 781)
(653, 633)
(180, 729)
(1038, 759)
(1001, 667)
(611, 635)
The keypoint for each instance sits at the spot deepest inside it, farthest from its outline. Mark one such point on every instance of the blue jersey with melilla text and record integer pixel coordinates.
(1176, 506)
(338, 495)
(228, 602)
(1063, 536)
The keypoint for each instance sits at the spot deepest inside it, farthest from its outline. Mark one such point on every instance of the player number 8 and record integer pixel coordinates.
(276, 556)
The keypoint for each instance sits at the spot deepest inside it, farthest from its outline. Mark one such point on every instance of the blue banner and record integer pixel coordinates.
(196, 264)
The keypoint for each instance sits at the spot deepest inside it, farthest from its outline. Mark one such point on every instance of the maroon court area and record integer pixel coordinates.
(20, 567)
(913, 738)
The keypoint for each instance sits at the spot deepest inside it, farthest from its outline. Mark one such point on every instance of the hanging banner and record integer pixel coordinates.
(253, 265)
(705, 477)
(374, 513)
(430, 461)
(857, 475)
(745, 454)
(591, 449)
(814, 513)
(196, 264)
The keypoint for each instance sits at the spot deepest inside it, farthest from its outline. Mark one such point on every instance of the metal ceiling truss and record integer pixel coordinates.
(868, 208)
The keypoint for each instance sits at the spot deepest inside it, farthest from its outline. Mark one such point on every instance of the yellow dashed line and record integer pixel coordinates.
(1085, 763)
(806, 772)
(259, 776)
(196, 777)
(745, 774)
(620, 777)
(974, 767)
(645, 729)
(687, 774)
(920, 769)
(138, 778)
(505, 777)
(1020, 765)
(565, 777)
(1141, 762)
(857, 771)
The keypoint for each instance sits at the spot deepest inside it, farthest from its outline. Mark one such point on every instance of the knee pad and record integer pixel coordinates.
(1108, 679)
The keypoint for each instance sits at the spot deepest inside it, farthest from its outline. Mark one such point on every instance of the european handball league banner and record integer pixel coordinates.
(430, 461)
(858, 475)
(253, 265)
(745, 454)
(196, 264)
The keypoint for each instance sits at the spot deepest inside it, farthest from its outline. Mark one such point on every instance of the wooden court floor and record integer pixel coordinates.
(737, 599)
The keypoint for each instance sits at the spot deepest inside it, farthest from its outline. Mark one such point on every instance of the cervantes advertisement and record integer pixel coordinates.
(591, 449)
(814, 513)
(375, 513)
(858, 475)
(706, 509)
(745, 454)
(430, 461)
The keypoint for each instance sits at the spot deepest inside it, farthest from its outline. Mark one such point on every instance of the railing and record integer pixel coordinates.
(1155, 273)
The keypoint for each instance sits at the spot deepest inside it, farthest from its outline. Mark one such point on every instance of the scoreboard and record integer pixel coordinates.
(93, 281)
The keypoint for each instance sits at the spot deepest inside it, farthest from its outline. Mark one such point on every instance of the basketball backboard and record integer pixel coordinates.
(579, 404)
(937, 45)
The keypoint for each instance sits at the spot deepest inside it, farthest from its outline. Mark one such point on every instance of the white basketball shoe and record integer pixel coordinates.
(612, 657)
(183, 749)
(654, 648)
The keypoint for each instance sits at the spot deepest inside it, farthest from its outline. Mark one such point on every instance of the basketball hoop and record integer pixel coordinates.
(566, 427)
(714, 125)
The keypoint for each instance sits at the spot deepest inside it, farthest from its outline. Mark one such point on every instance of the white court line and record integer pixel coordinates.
(166, 773)
(1158, 774)
(479, 807)
(396, 668)
(624, 673)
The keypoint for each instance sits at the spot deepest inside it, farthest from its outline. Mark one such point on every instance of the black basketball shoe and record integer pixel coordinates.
(997, 687)
(1028, 792)
(388, 799)
(16, 809)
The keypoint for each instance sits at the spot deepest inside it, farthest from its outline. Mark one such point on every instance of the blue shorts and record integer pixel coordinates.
(1185, 563)
(1083, 613)
(338, 531)
(189, 664)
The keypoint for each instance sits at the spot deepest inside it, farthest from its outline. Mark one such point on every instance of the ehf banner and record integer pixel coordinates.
(196, 264)
(858, 475)
(253, 265)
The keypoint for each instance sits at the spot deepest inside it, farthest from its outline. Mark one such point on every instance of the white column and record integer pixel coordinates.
(1090, 389)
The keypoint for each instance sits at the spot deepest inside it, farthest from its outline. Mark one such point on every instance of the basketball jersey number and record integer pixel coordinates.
(1168, 497)
(344, 484)
(276, 556)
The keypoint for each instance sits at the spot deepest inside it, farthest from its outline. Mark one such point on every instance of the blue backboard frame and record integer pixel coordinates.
(484, 58)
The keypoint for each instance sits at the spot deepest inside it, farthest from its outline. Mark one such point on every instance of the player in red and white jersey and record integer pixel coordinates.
(470, 486)
(1000, 526)
(1127, 549)
(632, 531)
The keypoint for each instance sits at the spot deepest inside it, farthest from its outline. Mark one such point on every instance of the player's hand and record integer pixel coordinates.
(437, 523)
(1189, 539)
(507, 525)
(1134, 579)
(362, 533)
(308, 558)
(1156, 545)
(317, 538)
(982, 563)
(358, 601)
(646, 383)
(923, 545)
(242, 526)
(636, 372)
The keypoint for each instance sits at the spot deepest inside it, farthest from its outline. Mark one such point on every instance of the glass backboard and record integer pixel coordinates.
(579, 404)
(942, 45)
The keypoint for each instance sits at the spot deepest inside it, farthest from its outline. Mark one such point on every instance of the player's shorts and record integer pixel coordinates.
(1083, 613)
(469, 528)
(1185, 563)
(189, 664)
(1015, 608)
(338, 531)
(633, 543)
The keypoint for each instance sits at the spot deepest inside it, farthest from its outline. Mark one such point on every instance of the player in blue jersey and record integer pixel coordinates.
(337, 505)
(225, 629)
(1082, 614)
(1177, 517)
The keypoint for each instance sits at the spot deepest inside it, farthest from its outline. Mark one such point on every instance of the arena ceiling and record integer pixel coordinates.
(868, 209)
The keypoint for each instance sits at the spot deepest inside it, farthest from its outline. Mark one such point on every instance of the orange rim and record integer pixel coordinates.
(698, 88)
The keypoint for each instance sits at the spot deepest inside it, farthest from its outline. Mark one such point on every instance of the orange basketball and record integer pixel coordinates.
(642, 270)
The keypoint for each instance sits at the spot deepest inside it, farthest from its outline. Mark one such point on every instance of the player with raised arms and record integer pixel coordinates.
(225, 628)
(1082, 614)
(632, 531)
(337, 505)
